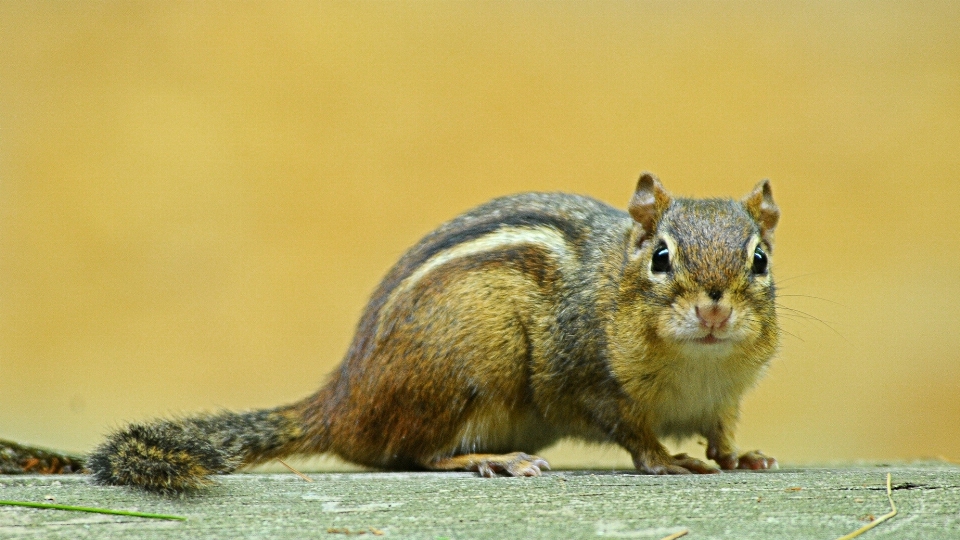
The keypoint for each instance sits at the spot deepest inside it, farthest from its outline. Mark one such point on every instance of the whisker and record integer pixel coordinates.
(797, 319)
(782, 331)
(800, 276)
(799, 313)
(810, 296)
(791, 334)
(790, 312)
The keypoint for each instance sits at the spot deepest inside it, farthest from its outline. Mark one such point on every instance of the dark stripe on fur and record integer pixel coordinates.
(575, 217)
(447, 239)
(398, 423)
(469, 227)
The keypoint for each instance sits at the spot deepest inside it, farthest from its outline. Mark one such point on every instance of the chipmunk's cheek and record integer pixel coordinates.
(680, 323)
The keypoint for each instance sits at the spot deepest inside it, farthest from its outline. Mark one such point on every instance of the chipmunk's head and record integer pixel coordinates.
(701, 268)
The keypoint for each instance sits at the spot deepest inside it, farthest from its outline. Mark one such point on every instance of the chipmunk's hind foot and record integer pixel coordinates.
(490, 465)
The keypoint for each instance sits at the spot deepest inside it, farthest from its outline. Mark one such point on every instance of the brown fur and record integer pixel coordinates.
(530, 319)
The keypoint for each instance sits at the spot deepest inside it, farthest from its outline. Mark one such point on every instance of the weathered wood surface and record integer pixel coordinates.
(820, 503)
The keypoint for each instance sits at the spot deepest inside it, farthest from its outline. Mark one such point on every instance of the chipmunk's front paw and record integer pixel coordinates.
(676, 464)
(755, 460)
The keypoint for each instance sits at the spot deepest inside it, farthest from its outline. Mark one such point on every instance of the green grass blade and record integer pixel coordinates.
(93, 510)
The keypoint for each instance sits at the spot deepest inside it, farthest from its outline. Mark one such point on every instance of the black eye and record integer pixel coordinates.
(661, 259)
(760, 262)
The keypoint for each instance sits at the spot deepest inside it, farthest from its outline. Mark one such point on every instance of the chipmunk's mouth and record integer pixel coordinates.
(710, 339)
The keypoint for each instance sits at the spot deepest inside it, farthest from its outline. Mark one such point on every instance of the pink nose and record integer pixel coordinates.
(713, 316)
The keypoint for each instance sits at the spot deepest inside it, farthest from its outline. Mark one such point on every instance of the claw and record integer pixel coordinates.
(490, 465)
(757, 460)
(521, 464)
(485, 470)
(754, 461)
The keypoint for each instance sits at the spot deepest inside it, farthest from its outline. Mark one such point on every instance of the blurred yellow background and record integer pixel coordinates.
(197, 198)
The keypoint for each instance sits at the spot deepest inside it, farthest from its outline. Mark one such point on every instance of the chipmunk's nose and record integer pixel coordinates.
(713, 315)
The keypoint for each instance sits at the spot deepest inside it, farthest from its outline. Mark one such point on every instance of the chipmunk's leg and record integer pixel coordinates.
(489, 465)
(720, 448)
(663, 463)
(651, 457)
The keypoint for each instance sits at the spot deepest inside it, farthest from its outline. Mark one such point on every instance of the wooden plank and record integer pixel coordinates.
(822, 503)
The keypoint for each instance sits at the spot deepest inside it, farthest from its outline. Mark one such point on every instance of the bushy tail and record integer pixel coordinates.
(17, 458)
(178, 455)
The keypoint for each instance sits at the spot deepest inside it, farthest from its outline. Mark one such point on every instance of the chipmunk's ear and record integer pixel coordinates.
(761, 206)
(648, 204)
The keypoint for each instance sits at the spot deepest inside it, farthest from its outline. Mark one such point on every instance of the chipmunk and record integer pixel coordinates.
(529, 319)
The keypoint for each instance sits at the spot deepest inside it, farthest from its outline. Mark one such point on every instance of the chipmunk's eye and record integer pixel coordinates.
(661, 259)
(760, 262)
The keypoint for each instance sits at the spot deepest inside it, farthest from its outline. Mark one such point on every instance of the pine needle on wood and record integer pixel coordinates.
(294, 471)
(879, 520)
